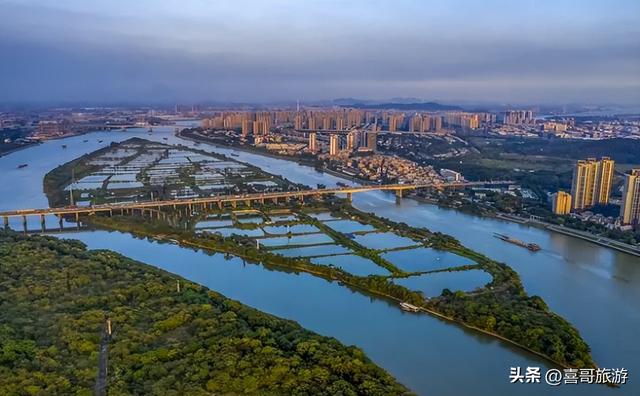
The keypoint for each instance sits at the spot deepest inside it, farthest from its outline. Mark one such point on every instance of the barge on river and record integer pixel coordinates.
(534, 247)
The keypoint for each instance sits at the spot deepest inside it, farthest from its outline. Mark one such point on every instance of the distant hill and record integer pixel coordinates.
(423, 106)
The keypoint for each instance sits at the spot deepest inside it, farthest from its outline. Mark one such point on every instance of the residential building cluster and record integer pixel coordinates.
(380, 168)
(591, 186)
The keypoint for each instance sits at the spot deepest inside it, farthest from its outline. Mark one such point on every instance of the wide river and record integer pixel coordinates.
(595, 288)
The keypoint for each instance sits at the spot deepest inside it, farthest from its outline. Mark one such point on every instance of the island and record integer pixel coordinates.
(65, 309)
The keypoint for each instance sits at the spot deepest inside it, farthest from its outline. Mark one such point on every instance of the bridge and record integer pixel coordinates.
(155, 207)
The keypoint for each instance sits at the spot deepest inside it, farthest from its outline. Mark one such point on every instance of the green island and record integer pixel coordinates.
(169, 336)
(500, 308)
(328, 238)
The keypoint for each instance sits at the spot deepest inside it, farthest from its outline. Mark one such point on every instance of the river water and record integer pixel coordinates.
(595, 288)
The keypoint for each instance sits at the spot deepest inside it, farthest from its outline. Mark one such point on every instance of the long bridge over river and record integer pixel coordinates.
(220, 201)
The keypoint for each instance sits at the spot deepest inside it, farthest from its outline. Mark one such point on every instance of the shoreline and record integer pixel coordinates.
(16, 149)
(598, 240)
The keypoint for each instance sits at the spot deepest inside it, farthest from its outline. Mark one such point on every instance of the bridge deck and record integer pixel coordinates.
(237, 198)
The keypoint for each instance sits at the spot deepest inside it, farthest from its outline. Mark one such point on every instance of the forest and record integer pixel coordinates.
(169, 336)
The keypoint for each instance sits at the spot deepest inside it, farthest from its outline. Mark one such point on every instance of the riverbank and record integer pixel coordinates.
(602, 241)
(16, 149)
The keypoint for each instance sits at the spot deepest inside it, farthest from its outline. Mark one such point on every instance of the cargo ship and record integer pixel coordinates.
(531, 246)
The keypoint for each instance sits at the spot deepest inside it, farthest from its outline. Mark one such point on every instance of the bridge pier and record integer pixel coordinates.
(77, 220)
(275, 200)
(43, 224)
(349, 197)
(398, 197)
(220, 205)
(301, 198)
(248, 203)
(24, 223)
(5, 220)
(234, 204)
(60, 218)
(261, 201)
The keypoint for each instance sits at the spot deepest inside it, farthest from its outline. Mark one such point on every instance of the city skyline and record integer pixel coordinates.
(249, 51)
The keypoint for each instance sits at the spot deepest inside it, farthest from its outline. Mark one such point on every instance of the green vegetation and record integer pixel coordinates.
(55, 296)
(501, 307)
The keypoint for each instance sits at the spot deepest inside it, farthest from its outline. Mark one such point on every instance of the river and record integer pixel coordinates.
(595, 288)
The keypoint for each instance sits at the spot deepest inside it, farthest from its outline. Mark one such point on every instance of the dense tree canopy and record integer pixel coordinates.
(55, 296)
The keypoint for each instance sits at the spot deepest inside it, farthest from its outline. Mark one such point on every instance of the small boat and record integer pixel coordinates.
(405, 306)
(22, 166)
(99, 141)
(84, 141)
(150, 130)
(164, 138)
(234, 155)
(64, 146)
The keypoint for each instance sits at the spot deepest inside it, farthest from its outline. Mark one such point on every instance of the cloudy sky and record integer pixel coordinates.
(501, 51)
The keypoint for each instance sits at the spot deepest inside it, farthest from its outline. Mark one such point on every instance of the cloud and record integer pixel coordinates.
(83, 51)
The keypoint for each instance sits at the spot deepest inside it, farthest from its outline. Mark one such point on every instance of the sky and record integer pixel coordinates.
(153, 51)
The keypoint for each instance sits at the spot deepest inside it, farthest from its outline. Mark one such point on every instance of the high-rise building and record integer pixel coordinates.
(313, 142)
(312, 122)
(436, 123)
(591, 183)
(604, 180)
(352, 140)
(518, 117)
(415, 124)
(426, 124)
(395, 122)
(247, 128)
(561, 203)
(630, 209)
(298, 122)
(334, 145)
(326, 123)
(372, 141)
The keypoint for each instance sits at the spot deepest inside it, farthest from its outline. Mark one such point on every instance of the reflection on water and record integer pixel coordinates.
(424, 259)
(433, 284)
(348, 226)
(383, 240)
(356, 265)
(312, 251)
(309, 239)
